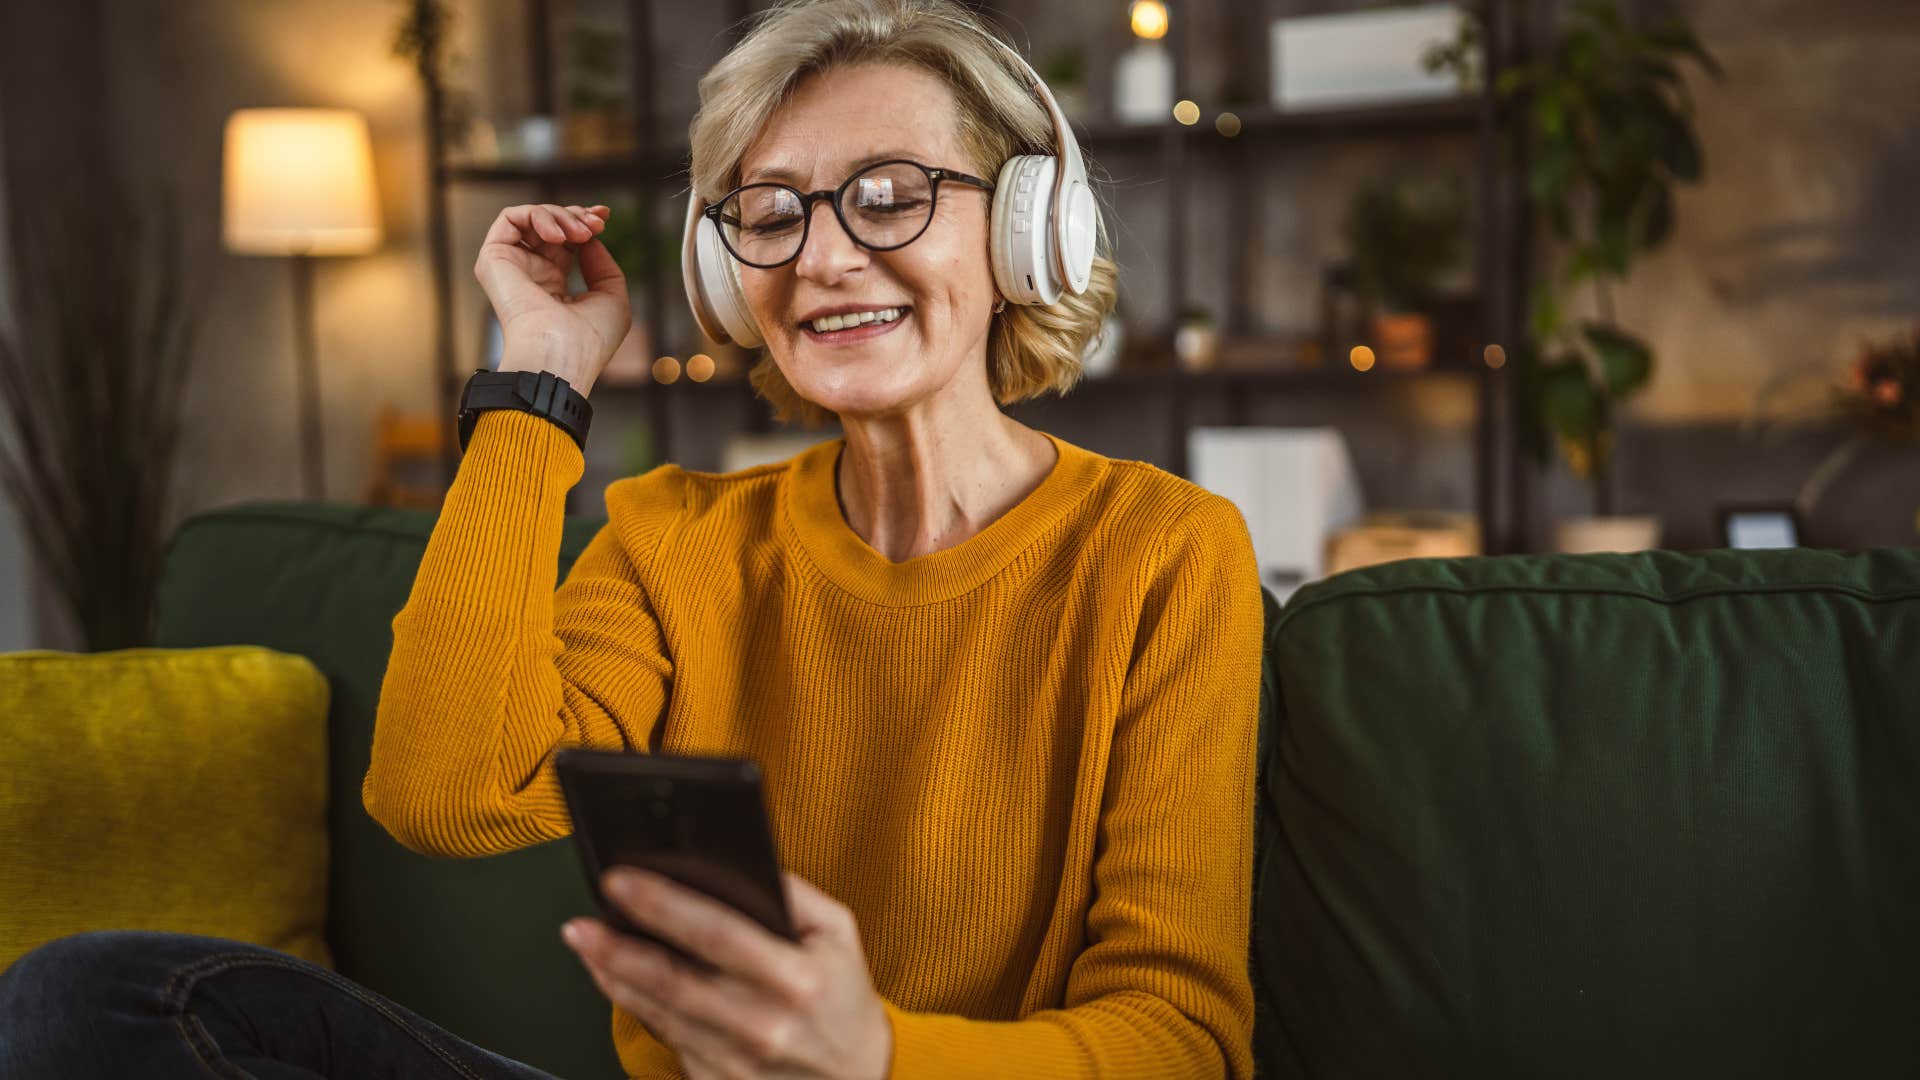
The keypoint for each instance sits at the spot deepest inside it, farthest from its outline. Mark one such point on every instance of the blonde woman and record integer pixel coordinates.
(1003, 690)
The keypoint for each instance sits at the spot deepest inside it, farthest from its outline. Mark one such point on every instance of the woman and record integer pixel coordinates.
(1003, 690)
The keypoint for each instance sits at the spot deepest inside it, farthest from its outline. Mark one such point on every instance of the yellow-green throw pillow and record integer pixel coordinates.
(163, 789)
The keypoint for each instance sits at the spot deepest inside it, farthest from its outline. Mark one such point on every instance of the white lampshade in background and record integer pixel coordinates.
(299, 182)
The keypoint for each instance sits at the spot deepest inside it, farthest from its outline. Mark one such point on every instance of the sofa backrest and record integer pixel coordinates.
(1595, 816)
(473, 945)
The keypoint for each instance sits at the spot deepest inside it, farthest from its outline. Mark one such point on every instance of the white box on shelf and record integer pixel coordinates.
(1360, 58)
(1294, 486)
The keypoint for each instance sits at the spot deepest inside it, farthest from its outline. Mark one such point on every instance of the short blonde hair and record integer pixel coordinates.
(1030, 349)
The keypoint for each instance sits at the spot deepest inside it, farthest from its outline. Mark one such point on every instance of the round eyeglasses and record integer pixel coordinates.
(882, 207)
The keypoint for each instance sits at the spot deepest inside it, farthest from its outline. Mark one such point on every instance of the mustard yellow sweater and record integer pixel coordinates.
(1025, 762)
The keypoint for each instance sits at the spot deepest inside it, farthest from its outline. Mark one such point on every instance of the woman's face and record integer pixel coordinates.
(834, 125)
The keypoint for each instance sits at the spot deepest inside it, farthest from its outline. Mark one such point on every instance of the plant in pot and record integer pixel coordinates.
(1196, 343)
(643, 254)
(1610, 122)
(1065, 72)
(596, 121)
(107, 305)
(1401, 238)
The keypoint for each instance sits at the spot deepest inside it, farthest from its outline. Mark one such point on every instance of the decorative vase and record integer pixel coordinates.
(1404, 341)
(1102, 354)
(1197, 345)
(1623, 533)
(1143, 84)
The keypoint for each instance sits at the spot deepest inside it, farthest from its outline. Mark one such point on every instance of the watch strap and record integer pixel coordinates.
(541, 393)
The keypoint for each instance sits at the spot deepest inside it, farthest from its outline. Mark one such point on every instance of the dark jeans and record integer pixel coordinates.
(125, 1003)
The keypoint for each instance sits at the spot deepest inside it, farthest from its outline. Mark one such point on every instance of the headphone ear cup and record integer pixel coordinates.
(712, 281)
(720, 282)
(1020, 243)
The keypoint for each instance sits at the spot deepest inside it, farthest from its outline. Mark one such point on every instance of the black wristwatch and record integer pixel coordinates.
(541, 393)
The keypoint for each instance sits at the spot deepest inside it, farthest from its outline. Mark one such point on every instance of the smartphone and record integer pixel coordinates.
(701, 821)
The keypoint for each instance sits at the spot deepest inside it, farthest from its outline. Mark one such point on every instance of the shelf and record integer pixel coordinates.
(1450, 116)
(621, 169)
(1343, 378)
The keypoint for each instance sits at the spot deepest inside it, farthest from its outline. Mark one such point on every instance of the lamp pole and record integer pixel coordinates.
(307, 359)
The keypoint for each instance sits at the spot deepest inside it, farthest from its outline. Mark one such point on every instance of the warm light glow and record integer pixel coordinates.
(1361, 358)
(1496, 357)
(1227, 124)
(699, 367)
(1186, 112)
(1149, 19)
(666, 369)
(299, 182)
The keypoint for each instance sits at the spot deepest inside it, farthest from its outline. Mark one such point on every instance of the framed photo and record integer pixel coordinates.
(1760, 527)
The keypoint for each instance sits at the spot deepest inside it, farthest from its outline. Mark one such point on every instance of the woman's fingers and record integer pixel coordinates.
(536, 225)
(710, 930)
(814, 911)
(600, 272)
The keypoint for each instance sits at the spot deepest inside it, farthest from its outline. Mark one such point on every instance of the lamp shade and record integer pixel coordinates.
(299, 182)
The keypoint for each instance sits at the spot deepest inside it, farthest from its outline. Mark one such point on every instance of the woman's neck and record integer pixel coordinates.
(915, 484)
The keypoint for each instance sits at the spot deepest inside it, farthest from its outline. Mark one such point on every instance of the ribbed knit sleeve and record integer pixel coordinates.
(1161, 988)
(492, 671)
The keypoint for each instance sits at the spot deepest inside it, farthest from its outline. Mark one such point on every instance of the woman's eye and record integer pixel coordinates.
(897, 207)
(772, 226)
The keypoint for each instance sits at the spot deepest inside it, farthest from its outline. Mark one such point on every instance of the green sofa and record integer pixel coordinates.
(1592, 816)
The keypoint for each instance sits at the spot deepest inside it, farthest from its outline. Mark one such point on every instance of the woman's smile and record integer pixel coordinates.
(855, 327)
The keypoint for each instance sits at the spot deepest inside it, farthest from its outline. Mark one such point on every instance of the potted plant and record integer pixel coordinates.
(1064, 70)
(1401, 238)
(1610, 125)
(1197, 341)
(596, 122)
(107, 306)
(642, 253)
(1879, 404)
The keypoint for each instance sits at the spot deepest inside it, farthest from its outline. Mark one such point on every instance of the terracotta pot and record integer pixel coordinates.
(1197, 345)
(1620, 533)
(1404, 342)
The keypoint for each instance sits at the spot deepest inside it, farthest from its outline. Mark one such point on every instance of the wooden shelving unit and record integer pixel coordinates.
(1500, 277)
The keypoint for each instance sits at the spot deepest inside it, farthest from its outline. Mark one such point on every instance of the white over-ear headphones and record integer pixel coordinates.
(1041, 234)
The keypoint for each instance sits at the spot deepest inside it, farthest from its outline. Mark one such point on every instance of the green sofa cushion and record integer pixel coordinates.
(472, 945)
(1596, 816)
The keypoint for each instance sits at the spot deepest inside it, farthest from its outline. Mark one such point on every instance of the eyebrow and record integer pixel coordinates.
(787, 176)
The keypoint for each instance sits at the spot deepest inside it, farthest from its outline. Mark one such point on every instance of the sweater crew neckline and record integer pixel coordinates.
(813, 513)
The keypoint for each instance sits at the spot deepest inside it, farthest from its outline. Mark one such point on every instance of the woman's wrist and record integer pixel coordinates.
(579, 372)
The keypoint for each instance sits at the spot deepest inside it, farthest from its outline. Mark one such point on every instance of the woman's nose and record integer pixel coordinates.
(829, 251)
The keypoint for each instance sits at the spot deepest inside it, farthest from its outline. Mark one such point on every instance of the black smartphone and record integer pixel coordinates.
(701, 821)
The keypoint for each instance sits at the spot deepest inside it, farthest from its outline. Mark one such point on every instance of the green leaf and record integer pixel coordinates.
(1679, 150)
(1655, 217)
(1552, 170)
(1544, 318)
(1626, 362)
(1568, 402)
(1583, 265)
(1673, 36)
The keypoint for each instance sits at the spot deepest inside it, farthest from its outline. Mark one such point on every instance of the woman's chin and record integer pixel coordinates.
(856, 386)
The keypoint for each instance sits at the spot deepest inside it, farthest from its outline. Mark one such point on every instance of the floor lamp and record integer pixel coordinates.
(299, 184)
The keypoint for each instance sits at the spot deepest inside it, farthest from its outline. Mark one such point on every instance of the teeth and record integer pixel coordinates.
(829, 323)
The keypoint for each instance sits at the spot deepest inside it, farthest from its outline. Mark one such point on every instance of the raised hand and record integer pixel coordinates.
(523, 267)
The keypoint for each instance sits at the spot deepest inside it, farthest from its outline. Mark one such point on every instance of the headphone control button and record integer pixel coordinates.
(1019, 225)
(1025, 183)
(1022, 203)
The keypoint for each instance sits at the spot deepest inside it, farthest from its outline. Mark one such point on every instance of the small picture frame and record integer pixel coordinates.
(1761, 526)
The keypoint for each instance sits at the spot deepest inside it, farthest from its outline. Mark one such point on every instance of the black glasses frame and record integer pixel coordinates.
(832, 199)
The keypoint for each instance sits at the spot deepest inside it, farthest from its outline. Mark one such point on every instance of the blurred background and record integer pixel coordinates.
(1400, 278)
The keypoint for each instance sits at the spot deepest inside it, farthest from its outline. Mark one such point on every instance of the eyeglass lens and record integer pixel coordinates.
(884, 207)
